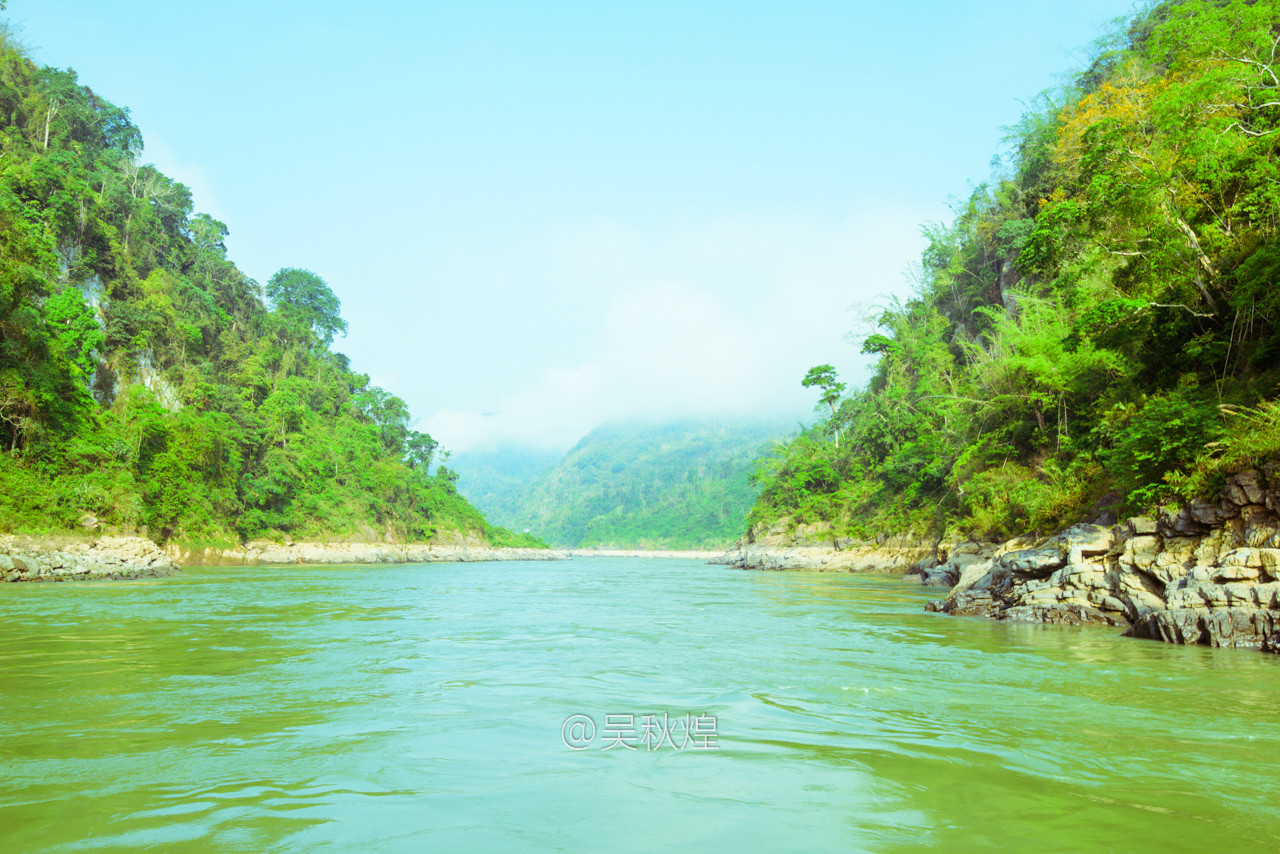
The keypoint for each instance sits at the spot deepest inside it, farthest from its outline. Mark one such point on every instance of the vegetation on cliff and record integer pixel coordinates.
(148, 383)
(1099, 328)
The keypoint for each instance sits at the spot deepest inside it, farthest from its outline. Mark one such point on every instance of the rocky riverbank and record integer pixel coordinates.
(68, 559)
(1208, 573)
(810, 547)
(53, 559)
(258, 553)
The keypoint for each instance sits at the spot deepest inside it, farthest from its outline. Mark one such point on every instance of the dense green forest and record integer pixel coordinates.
(1098, 330)
(147, 384)
(629, 485)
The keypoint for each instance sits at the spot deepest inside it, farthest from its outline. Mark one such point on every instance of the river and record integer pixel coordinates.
(424, 708)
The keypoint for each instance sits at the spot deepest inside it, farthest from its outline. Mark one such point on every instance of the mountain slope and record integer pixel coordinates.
(146, 384)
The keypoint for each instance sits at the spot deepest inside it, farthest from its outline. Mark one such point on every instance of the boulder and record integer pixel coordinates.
(1086, 541)
(1141, 551)
(1236, 572)
(1034, 562)
(1244, 488)
(1261, 527)
(1186, 522)
(937, 578)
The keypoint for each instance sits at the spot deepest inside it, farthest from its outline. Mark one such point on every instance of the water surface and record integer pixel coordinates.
(419, 708)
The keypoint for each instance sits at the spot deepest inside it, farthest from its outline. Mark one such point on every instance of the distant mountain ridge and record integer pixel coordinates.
(628, 485)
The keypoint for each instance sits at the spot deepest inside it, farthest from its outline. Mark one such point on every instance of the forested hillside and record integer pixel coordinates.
(147, 384)
(499, 480)
(681, 485)
(1098, 330)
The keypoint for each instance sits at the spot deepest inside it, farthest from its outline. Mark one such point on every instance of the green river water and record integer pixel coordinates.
(420, 708)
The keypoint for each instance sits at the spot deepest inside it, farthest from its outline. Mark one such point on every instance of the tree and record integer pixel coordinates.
(302, 298)
(419, 449)
(824, 377)
(388, 413)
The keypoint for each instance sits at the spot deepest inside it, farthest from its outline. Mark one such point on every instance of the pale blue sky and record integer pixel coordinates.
(539, 216)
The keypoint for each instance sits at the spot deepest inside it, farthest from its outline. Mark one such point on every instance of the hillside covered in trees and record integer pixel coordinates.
(1098, 330)
(146, 383)
(629, 485)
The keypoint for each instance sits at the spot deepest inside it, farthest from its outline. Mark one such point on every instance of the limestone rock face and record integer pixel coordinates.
(1206, 573)
(817, 549)
(27, 559)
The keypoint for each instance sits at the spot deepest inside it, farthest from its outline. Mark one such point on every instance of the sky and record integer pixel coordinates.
(543, 216)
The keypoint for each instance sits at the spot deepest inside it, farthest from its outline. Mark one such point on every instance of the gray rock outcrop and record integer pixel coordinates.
(1205, 573)
(811, 547)
(30, 559)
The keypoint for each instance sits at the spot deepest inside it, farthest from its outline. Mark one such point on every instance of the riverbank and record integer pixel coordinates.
(25, 558)
(261, 553)
(1205, 573)
(683, 554)
(812, 548)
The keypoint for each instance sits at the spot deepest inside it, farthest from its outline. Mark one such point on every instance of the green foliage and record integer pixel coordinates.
(1102, 317)
(802, 475)
(305, 303)
(142, 379)
(1160, 435)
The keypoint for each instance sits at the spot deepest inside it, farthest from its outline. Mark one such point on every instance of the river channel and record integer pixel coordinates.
(609, 704)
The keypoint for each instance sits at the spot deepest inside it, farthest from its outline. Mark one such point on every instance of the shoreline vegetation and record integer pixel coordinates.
(1095, 337)
(149, 387)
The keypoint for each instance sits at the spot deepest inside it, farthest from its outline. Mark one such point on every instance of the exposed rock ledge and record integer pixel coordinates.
(31, 559)
(258, 553)
(67, 559)
(806, 548)
(1206, 574)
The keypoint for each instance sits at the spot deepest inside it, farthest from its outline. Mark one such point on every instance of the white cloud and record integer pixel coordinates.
(717, 317)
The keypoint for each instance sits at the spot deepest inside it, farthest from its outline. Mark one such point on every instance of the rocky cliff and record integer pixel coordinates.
(1208, 573)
